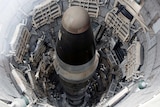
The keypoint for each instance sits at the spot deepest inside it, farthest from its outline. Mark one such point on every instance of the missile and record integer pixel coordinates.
(76, 57)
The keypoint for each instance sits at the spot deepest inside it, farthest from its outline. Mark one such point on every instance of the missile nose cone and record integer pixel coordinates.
(75, 44)
(76, 20)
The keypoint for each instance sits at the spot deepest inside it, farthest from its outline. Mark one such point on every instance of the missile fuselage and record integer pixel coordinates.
(76, 58)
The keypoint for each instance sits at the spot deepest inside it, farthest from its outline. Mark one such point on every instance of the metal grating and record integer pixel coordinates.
(113, 58)
(37, 54)
(19, 42)
(45, 13)
(134, 60)
(91, 6)
(112, 89)
(119, 23)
